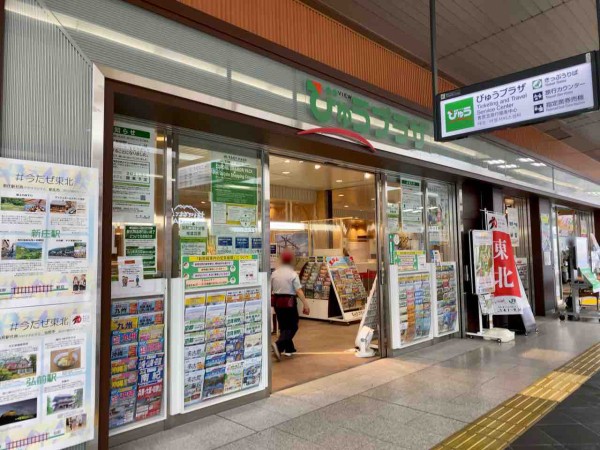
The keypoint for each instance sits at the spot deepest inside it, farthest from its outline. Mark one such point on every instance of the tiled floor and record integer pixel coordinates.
(573, 424)
(411, 402)
(323, 349)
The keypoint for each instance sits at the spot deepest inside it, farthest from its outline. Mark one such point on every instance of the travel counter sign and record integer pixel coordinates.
(561, 88)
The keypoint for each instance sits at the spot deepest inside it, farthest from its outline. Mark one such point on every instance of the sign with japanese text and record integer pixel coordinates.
(410, 260)
(561, 88)
(333, 105)
(496, 221)
(48, 224)
(134, 166)
(509, 295)
(219, 270)
(591, 278)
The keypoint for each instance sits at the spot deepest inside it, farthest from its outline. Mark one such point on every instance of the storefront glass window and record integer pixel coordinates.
(138, 309)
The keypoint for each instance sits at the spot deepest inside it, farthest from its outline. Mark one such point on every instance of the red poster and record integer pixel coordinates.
(505, 269)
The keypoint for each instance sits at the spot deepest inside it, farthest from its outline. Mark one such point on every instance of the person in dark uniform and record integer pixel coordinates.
(285, 288)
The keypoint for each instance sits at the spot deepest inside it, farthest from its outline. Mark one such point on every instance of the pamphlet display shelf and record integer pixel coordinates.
(151, 289)
(445, 299)
(333, 289)
(411, 305)
(178, 362)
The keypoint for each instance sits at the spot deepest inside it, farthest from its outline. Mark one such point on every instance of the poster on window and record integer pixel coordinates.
(234, 192)
(512, 217)
(134, 162)
(140, 241)
(411, 206)
(496, 221)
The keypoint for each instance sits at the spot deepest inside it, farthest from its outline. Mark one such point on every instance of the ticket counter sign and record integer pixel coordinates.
(219, 270)
(558, 89)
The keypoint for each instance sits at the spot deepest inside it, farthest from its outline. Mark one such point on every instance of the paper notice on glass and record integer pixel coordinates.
(134, 156)
(140, 240)
(412, 206)
(131, 273)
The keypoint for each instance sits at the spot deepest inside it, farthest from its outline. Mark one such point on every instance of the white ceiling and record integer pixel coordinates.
(483, 39)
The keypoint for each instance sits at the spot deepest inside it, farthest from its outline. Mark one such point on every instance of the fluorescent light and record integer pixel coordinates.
(345, 206)
(538, 164)
(339, 181)
(525, 160)
(287, 161)
(340, 195)
(493, 162)
(508, 166)
(286, 173)
(367, 176)
(288, 226)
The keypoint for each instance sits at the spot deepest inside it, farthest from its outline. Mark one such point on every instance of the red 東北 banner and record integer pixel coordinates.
(508, 293)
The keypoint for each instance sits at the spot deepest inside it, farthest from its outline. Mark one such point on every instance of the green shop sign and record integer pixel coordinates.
(345, 108)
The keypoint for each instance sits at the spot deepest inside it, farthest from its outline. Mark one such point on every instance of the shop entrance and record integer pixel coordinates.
(326, 216)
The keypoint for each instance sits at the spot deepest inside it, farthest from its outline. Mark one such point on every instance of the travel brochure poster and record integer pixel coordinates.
(48, 223)
(414, 297)
(47, 376)
(134, 155)
(48, 229)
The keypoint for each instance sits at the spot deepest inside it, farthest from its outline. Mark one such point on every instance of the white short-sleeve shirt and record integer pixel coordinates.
(285, 280)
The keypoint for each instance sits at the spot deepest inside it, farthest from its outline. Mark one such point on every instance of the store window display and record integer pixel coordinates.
(423, 281)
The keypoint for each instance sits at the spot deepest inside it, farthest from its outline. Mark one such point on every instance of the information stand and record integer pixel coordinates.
(48, 294)
(219, 343)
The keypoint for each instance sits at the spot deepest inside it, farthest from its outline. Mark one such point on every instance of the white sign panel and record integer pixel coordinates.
(522, 100)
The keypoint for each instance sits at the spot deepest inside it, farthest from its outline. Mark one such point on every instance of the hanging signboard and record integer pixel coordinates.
(558, 89)
(48, 224)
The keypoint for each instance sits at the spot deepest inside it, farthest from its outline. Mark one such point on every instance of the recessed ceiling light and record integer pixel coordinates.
(373, 199)
(367, 176)
(525, 160)
(538, 164)
(285, 173)
(345, 206)
(203, 202)
(300, 162)
(340, 195)
(287, 161)
(339, 181)
(317, 166)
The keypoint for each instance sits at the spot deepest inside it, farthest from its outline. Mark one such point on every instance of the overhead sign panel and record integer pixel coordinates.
(557, 89)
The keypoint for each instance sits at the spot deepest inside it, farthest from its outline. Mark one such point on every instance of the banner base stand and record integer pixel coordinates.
(498, 334)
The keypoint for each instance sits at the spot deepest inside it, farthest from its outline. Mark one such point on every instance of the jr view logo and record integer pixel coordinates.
(459, 115)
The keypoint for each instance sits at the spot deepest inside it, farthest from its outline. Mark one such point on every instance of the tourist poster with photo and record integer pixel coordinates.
(47, 376)
(47, 216)
(483, 262)
(48, 265)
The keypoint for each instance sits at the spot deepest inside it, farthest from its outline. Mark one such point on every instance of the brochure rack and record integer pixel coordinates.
(445, 299)
(411, 308)
(219, 349)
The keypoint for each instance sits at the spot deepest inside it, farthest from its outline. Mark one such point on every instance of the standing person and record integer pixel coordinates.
(285, 287)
